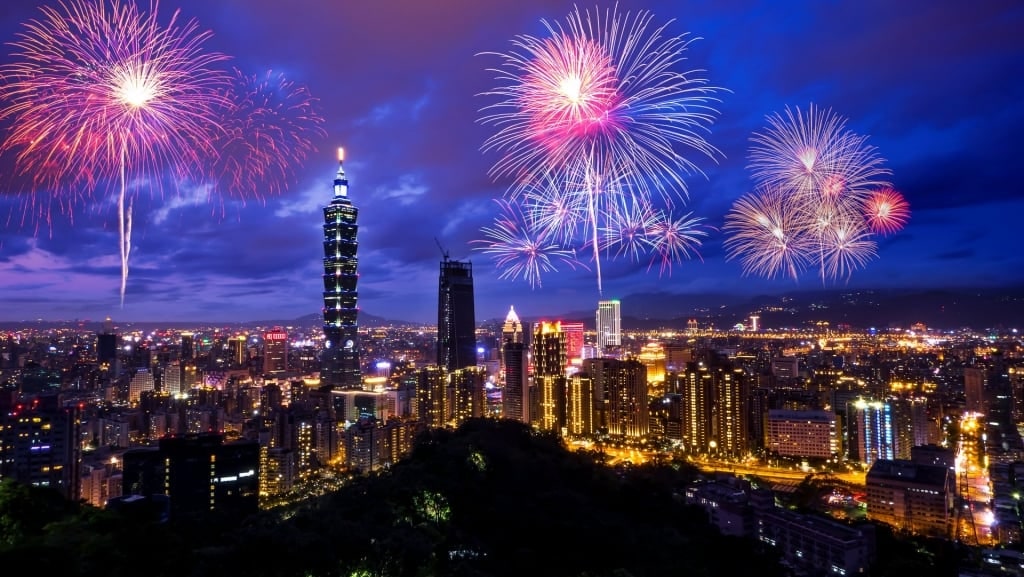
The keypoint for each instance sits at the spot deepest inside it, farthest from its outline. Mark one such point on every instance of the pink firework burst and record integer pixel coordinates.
(602, 100)
(269, 126)
(886, 211)
(100, 92)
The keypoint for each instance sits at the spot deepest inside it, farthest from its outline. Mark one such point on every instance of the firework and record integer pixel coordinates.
(267, 130)
(886, 211)
(599, 102)
(765, 235)
(516, 248)
(813, 154)
(817, 202)
(101, 92)
(673, 239)
(845, 246)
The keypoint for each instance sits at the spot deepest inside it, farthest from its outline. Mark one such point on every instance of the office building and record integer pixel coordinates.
(39, 444)
(275, 351)
(238, 347)
(456, 316)
(515, 403)
(609, 325)
(975, 381)
(339, 362)
(875, 437)
(911, 496)
(574, 331)
(802, 434)
(200, 474)
(188, 347)
(549, 379)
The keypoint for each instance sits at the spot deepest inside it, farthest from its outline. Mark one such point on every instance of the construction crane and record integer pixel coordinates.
(444, 252)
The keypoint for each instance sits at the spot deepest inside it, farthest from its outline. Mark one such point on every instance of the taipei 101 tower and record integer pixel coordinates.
(339, 364)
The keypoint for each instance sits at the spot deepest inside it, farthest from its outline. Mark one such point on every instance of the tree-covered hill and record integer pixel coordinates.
(492, 498)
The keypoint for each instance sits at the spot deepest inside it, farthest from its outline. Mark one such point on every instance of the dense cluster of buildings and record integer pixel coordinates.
(222, 420)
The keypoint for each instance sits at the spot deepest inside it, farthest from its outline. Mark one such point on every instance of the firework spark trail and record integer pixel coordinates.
(821, 193)
(766, 236)
(603, 91)
(673, 239)
(513, 242)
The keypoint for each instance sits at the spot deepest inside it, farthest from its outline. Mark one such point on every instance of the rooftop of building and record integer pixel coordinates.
(908, 472)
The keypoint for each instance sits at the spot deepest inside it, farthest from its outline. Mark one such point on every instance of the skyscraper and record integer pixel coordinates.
(573, 340)
(609, 331)
(515, 389)
(340, 360)
(275, 351)
(188, 347)
(107, 348)
(549, 375)
(456, 316)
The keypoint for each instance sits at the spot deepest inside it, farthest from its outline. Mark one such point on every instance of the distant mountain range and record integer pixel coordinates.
(945, 309)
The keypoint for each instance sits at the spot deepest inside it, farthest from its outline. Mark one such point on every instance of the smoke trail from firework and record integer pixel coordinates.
(599, 100)
(102, 92)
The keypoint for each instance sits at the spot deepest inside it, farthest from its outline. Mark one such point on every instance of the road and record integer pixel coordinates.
(780, 474)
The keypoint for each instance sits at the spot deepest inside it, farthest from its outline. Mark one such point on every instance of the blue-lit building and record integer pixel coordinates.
(874, 431)
(340, 359)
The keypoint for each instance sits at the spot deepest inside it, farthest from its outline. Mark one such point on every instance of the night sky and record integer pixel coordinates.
(936, 85)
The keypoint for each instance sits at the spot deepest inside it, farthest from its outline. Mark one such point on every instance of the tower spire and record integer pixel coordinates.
(340, 180)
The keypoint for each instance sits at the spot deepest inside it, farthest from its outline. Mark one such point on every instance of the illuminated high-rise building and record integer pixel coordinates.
(188, 346)
(549, 380)
(512, 330)
(340, 361)
(39, 444)
(579, 405)
(515, 400)
(511, 333)
(573, 340)
(431, 390)
(456, 316)
(609, 329)
(465, 396)
(275, 351)
(239, 351)
(875, 435)
(731, 418)
(620, 395)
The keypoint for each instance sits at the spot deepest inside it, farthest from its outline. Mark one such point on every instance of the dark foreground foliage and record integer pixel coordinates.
(492, 498)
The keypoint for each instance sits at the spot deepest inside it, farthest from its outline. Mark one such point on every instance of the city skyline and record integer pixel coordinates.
(926, 82)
